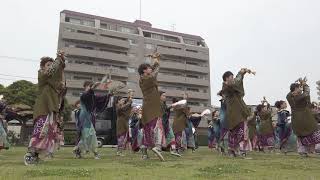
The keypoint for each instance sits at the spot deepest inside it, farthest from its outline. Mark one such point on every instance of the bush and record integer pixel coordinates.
(70, 137)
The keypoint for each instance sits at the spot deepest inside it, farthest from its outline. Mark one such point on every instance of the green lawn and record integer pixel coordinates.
(203, 164)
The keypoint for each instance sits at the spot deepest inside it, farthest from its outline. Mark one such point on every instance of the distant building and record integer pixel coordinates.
(97, 45)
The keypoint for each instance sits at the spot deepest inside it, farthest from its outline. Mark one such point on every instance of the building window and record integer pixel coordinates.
(69, 30)
(80, 22)
(107, 26)
(126, 30)
(83, 62)
(190, 50)
(84, 47)
(87, 23)
(82, 78)
(132, 55)
(171, 39)
(193, 89)
(149, 46)
(85, 32)
(73, 20)
(133, 42)
(131, 70)
(157, 36)
(67, 44)
(190, 42)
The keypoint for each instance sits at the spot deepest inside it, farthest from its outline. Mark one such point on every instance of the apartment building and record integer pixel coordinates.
(97, 46)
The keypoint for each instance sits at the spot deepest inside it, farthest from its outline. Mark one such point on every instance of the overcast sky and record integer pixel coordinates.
(278, 39)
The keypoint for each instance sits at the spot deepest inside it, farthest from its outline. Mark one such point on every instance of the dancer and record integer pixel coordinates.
(135, 133)
(179, 125)
(214, 130)
(47, 107)
(252, 126)
(284, 129)
(266, 137)
(168, 132)
(236, 110)
(90, 104)
(304, 124)
(151, 109)
(124, 109)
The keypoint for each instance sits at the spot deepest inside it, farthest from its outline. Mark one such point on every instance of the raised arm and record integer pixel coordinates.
(57, 64)
(156, 64)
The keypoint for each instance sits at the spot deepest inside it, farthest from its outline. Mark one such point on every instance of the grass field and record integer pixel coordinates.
(203, 164)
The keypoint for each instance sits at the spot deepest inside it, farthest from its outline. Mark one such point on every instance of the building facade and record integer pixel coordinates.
(318, 83)
(97, 46)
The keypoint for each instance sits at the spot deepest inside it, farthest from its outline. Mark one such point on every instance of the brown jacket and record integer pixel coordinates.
(265, 126)
(123, 115)
(49, 89)
(180, 119)
(237, 110)
(149, 87)
(303, 121)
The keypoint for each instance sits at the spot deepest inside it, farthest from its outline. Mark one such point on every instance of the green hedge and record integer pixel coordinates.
(70, 137)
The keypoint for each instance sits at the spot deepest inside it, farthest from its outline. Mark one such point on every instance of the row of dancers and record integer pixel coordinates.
(149, 128)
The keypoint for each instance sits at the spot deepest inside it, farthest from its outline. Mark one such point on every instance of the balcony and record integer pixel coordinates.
(171, 52)
(96, 69)
(200, 55)
(96, 54)
(96, 39)
(195, 68)
(198, 95)
(171, 78)
(197, 109)
(196, 81)
(172, 65)
(191, 94)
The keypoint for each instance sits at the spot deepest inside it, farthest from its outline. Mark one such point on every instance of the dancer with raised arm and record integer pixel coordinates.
(124, 108)
(304, 124)
(47, 107)
(266, 138)
(237, 111)
(151, 120)
(90, 104)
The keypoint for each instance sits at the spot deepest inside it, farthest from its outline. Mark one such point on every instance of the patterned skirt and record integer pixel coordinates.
(88, 140)
(311, 139)
(267, 140)
(170, 139)
(136, 136)
(153, 134)
(123, 140)
(239, 137)
(181, 140)
(44, 134)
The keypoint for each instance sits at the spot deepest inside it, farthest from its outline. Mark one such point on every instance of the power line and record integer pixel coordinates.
(19, 58)
(17, 76)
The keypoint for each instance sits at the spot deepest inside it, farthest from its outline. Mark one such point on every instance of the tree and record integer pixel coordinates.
(20, 92)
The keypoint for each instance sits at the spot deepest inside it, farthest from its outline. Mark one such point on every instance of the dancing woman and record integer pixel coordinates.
(304, 124)
(151, 109)
(90, 104)
(46, 108)
(284, 128)
(237, 111)
(266, 138)
(124, 109)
